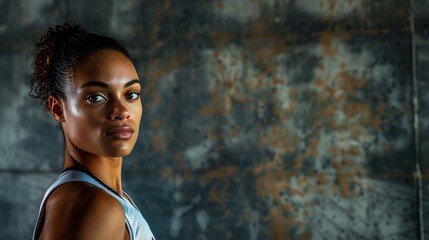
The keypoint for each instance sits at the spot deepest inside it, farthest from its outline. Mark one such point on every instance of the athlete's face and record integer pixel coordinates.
(102, 109)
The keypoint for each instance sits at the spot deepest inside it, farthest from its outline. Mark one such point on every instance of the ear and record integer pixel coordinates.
(56, 108)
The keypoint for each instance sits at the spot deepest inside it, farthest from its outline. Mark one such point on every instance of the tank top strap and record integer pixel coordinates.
(71, 175)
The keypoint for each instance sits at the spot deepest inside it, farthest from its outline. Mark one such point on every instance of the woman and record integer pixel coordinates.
(89, 84)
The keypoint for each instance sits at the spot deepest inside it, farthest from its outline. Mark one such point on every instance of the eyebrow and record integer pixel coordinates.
(105, 85)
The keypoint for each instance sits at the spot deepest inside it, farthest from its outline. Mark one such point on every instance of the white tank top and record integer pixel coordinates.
(135, 222)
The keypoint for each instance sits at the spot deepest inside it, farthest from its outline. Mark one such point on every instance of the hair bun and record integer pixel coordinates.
(45, 49)
(55, 37)
(61, 33)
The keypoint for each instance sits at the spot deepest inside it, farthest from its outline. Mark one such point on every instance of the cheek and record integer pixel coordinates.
(81, 121)
(74, 109)
(138, 112)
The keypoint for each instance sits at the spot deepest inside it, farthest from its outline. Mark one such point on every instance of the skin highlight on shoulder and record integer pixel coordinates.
(80, 210)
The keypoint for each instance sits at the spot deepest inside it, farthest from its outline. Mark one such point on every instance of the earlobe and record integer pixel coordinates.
(56, 108)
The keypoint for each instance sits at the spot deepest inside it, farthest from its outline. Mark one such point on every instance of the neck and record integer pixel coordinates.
(106, 169)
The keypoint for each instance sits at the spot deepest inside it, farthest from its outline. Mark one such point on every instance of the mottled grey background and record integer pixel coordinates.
(263, 119)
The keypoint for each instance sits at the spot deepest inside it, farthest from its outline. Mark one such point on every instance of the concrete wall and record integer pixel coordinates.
(262, 119)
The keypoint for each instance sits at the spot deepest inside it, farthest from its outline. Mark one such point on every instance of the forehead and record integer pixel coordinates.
(109, 66)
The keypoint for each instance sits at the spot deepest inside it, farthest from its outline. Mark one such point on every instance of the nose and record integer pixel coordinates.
(119, 110)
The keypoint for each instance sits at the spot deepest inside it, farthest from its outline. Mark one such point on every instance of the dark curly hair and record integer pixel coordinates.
(58, 53)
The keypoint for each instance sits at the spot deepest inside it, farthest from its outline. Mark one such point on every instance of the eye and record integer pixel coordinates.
(95, 98)
(133, 96)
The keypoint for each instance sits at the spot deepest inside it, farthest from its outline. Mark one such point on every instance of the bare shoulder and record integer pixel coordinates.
(79, 210)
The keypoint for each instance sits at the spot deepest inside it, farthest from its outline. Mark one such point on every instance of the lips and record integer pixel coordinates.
(120, 133)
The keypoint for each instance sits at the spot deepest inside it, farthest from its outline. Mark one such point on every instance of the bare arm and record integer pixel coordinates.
(76, 212)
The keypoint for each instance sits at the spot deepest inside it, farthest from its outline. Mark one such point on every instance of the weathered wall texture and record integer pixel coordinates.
(262, 119)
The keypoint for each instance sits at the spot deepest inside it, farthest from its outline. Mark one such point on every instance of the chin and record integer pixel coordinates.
(119, 151)
(119, 148)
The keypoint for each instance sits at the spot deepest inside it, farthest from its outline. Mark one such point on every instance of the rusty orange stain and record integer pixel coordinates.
(334, 150)
(297, 191)
(351, 83)
(153, 36)
(286, 111)
(275, 183)
(219, 40)
(159, 68)
(352, 109)
(167, 6)
(155, 123)
(333, 4)
(350, 2)
(375, 119)
(425, 174)
(270, 185)
(219, 108)
(278, 81)
(216, 135)
(229, 81)
(158, 142)
(187, 174)
(326, 111)
(216, 92)
(268, 166)
(342, 180)
(326, 42)
(280, 138)
(155, 98)
(220, 173)
(234, 131)
(217, 197)
(153, 62)
(166, 172)
(304, 180)
(298, 163)
(253, 85)
(352, 151)
(280, 225)
(319, 81)
(180, 158)
(306, 235)
(312, 149)
(328, 93)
